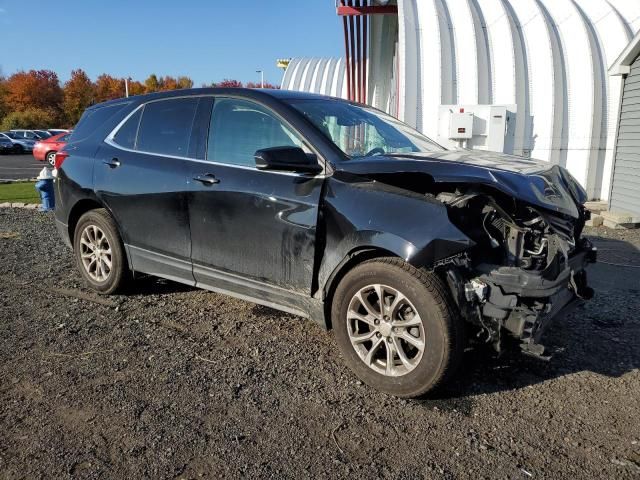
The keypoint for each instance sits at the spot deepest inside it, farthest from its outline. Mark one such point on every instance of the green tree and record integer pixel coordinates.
(30, 118)
(152, 84)
(79, 93)
(185, 82)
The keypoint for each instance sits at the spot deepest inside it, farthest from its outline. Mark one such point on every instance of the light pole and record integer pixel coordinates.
(126, 87)
(261, 72)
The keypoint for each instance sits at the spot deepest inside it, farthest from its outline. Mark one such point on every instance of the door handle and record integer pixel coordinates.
(207, 179)
(113, 163)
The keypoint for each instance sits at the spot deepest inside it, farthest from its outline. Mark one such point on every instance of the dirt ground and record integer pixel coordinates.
(173, 382)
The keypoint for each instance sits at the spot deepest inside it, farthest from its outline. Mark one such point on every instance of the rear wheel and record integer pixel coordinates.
(51, 158)
(396, 327)
(99, 252)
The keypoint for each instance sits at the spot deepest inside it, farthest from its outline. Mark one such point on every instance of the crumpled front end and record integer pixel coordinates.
(527, 268)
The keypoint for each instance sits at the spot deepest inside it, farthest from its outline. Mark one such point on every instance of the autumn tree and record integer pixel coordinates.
(168, 83)
(79, 93)
(108, 88)
(136, 88)
(266, 85)
(227, 83)
(35, 89)
(4, 109)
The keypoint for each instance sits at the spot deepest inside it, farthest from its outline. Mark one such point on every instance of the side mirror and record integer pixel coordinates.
(289, 159)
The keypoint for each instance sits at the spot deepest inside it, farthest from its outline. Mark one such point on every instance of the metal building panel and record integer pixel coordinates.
(625, 188)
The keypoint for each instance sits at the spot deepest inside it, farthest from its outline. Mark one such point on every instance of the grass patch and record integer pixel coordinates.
(23, 192)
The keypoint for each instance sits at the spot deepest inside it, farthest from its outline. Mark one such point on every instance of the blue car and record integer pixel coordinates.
(6, 145)
(20, 145)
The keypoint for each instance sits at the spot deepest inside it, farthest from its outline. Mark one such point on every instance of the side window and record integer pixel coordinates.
(239, 128)
(126, 136)
(165, 127)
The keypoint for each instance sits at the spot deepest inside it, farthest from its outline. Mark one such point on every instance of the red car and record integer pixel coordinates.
(45, 150)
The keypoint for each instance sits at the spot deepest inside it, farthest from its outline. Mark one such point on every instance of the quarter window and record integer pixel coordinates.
(165, 127)
(239, 128)
(127, 134)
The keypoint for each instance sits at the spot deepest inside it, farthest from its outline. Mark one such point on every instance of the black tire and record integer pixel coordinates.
(442, 326)
(50, 158)
(18, 149)
(119, 272)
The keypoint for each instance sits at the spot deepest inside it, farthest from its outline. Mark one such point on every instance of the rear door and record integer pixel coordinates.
(248, 224)
(140, 175)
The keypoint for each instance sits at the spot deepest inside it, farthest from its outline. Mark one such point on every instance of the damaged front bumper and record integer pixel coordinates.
(524, 303)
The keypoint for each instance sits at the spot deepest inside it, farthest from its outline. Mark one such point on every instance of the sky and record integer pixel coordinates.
(207, 40)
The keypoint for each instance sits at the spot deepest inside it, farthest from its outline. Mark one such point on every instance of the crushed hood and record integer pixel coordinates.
(539, 183)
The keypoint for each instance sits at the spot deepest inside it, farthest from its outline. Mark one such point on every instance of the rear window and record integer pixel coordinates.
(93, 119)
(166, 125)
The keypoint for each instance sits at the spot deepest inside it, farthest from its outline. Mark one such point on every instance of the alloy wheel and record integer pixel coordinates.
(385, 330)
(95, 253)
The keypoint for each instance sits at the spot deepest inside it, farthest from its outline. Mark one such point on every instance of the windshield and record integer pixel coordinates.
(361, 131)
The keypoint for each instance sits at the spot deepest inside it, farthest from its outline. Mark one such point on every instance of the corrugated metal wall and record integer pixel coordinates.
(548, 57)
(625, 190)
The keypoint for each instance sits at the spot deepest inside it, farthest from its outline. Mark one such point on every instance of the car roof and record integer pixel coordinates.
(255, 93)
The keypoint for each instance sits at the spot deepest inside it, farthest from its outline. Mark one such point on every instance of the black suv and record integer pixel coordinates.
(329, 210)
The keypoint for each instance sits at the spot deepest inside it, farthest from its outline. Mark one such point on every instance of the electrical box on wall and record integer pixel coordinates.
(477, 127)
(460, 126)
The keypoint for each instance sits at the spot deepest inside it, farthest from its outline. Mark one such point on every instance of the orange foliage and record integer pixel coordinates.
(33, 89)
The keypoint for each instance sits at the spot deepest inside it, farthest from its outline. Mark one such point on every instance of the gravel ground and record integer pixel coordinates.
(173, 382)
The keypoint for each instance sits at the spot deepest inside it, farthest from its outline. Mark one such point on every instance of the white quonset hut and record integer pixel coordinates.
(533, 74)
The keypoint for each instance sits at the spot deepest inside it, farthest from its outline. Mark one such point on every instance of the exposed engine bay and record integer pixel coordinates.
(527, 265)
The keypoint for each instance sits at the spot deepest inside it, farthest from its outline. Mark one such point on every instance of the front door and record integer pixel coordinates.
(251, 227)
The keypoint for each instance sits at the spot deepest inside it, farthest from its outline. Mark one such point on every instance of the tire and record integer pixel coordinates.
(18, 149)
(50, 158)
(437, 326)
(97, 227)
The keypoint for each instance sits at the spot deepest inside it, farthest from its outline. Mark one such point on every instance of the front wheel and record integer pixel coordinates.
(396, 327)
(99, 252)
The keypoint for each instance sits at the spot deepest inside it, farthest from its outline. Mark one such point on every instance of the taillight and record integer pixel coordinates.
(60, 157)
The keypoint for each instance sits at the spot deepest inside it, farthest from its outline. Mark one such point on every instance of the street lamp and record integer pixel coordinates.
(261, 72)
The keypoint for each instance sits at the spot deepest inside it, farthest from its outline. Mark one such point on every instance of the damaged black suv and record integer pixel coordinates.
(329, 210)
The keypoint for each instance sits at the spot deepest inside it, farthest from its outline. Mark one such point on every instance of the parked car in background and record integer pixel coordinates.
(31, 134)
(6, 145)
(20, 144)
(329, 210)
(45, 150)
(56, 131)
